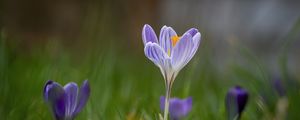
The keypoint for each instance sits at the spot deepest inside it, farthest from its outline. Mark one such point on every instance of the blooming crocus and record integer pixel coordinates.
(170, 53)
(178, 107)
(66, 102)
(236, 100)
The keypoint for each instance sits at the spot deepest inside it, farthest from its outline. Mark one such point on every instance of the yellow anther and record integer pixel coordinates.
(174, 40)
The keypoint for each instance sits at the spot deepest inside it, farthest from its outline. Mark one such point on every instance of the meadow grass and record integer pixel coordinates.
(128, 86)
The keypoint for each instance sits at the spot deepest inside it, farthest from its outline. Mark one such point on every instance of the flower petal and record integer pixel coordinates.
(182, 51)
(71, 90)
(236, 100)
(47, 87)
(166, 33)
(162, 103)
(196, 39)
(242, 99)
(157, 55)
(84, 94)
(60, 107)
(193, 31)
(279, 87)
(188, 105)
(54, 94)
(196, 43)
(148, 35)
(179, 108)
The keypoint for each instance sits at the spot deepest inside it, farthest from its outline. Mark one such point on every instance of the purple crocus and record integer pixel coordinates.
(66, 102)
(178, 107)
(170, 53)
(236, 100)
(279, 87)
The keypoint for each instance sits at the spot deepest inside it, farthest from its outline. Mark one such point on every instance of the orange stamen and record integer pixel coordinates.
(175, 39)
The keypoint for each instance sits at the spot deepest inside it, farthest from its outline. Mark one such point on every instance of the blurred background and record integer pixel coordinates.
(248, 43)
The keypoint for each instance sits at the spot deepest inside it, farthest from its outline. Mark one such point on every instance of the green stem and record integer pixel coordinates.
(167, 101)
(168, 95)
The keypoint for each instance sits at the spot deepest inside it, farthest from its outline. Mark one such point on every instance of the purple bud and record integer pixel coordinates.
(66, 102)
(178, 107)
(236, 100)
(278, 86)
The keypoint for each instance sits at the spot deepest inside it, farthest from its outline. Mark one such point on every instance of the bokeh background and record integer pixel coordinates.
(246, 43)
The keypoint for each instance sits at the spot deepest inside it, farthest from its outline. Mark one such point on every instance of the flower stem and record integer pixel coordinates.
(168, 95)
(167, 99)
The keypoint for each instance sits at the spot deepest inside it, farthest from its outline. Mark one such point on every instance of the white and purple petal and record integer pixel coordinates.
(156, 54)
(166, 33)
(196, 43)
(196, 36)
(182, 51)
(148, 35)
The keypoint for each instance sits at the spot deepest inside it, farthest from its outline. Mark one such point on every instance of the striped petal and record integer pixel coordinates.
(196, 40)
(196, 43)
(182, 52)
(158, 56)
(148, 35)
(71, 90)
(166, 33)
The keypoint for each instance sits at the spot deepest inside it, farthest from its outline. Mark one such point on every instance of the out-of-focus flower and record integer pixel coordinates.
(282, 102)
(236, 100)
(170, 53)
(178, 107)
(278, 86)
(66, 102)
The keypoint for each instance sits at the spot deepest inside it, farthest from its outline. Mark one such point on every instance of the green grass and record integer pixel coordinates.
(124, 84)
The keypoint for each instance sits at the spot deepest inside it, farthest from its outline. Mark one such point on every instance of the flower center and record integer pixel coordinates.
(174, 40)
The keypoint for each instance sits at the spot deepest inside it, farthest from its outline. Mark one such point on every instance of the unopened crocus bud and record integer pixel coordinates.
(236, 100)
(278, 86)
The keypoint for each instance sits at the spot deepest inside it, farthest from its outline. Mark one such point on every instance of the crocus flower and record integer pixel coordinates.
(236, 100)
(66, 102)
(170, 53)
(178, 107)
(278, 86)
